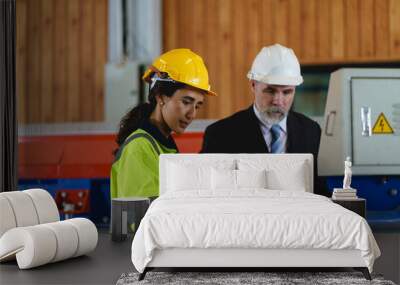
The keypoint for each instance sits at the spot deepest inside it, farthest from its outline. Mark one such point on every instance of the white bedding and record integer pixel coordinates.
(251, 218)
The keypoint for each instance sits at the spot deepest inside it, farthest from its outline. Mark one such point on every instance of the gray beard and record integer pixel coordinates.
(269, 117)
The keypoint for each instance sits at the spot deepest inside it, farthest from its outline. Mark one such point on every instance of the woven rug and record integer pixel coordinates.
(225, 278)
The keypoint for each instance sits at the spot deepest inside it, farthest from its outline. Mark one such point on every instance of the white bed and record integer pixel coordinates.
(247, 210)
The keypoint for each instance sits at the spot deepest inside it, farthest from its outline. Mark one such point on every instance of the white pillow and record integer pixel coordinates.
(223, 179)
(235, 179)
(251, 178)
(293, 180)
(281, 174)
(184, 175)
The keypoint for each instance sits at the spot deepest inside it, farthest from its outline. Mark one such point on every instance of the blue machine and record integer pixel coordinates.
(362, 121)
(99, 195)
(383, 199)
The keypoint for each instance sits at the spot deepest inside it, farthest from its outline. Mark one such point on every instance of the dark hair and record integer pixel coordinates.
(134, 117)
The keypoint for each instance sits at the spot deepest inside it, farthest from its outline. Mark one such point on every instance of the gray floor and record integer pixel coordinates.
(110, 259)
(102, 266)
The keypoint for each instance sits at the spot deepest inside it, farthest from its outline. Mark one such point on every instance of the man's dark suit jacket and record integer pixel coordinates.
(241, 133)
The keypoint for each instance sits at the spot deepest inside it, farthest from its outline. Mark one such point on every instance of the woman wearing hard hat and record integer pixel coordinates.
(178, 81)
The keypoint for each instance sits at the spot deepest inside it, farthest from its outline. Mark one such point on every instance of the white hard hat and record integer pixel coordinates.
(276, 65)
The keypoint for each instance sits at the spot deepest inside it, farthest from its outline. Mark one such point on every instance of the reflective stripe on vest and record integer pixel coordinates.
(135, 136)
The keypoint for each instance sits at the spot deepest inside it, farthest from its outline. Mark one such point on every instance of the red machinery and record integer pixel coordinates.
(75, 169)
(78, 156)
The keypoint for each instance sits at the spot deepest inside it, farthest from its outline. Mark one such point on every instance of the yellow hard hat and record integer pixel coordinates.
(181, 65)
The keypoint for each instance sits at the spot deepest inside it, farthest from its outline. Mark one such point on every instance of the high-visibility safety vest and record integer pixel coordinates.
(135, 169)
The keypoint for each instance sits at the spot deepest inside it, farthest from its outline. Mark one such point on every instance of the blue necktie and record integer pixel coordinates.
(277, 139)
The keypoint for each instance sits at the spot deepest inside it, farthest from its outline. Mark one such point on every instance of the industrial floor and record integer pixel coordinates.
(102, 266)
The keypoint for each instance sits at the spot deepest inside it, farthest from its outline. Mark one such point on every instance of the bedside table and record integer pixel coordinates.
(358, 205)
(126, 214)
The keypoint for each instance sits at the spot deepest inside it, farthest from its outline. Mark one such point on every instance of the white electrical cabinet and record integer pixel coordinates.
(362, 121)
(382, 146)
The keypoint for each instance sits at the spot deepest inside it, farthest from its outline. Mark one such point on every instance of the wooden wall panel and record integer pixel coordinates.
(170, 23)
(252, 37)
(62, 46)
(352, 28)
(186, 17)
(225, 101)
(337, 30)
(324, 40)
(62, 50)
(101, 40)
(60, 61)
(198, 43)
(381, 28)
(33, 81)
(211, 59)
(319, 31)
(46, 68)
(294, 27)
(309, 30)
(367, 32)
(394, 15)
(21, 60)
(280, 18)
(86, 60)
(239, 68)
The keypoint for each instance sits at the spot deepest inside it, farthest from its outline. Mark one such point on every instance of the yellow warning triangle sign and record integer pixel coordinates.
(382, 126)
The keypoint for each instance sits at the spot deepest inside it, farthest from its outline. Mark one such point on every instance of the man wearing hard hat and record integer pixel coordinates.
(269, 126)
